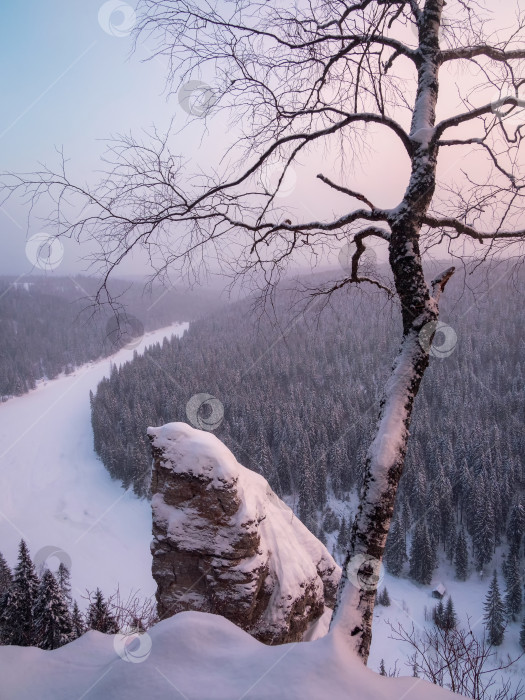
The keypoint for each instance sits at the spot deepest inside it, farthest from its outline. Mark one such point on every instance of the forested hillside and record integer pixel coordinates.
(49, 325)
(301, 399)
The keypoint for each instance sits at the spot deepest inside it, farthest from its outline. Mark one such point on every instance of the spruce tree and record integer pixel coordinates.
(513, 595)
(494, 614)
(342, 537)
(383, 598)
(6, 580)
(53, 627)
(17, 615)
(64, 581)
(422, 555)
(516, 527)
(5, 617)
(396, 552)
(484, 530)
(461, 557)
(77, 622)
(307, 501)
(438, 615)
(449, 617)
(382, 669)
(450, 543)
(99, 616)
(330, 521)
(522, 635)
(6, 577)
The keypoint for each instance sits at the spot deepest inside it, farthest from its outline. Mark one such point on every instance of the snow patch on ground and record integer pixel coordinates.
(408, 603)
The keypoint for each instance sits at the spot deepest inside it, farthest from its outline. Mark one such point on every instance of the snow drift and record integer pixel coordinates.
(198, 656)
(224, 543)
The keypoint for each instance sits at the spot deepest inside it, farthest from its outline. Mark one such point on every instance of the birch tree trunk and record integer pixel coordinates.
(385, 459)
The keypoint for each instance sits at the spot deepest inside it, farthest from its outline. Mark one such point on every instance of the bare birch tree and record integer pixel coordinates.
(324, 72)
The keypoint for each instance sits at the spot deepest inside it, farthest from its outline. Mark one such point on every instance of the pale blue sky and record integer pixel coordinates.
(65, 82)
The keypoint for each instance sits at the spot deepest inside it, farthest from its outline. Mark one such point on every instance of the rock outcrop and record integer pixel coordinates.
(224, 543)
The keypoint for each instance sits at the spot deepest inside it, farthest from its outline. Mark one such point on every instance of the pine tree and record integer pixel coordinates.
(99, 616)
(396, 552)
(494, 614)
(461, 557)
(382, 669)
(77, 622)
(17, 615)
(64, 582)
(513, 595)
(422, 555)
(53, 627)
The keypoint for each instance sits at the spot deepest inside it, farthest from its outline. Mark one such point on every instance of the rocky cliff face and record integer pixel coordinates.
(224, 543)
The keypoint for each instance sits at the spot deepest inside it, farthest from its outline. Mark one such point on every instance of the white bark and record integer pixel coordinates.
(384, 465)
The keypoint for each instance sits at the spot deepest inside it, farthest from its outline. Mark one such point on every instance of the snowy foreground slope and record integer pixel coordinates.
(55, 492)
(198, 656)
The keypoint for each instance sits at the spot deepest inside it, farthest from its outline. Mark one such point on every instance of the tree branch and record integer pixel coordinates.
(492, 52)
(463, 228)
(439, 283)
(475, 113)
(345, 190)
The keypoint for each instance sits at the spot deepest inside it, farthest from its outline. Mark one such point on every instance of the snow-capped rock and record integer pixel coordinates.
(224, 543)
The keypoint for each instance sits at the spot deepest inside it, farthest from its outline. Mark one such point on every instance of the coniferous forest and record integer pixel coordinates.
(300, 397)
(49, 325)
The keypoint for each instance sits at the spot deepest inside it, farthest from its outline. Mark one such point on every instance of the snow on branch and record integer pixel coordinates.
(439, 283)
